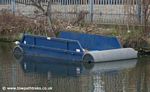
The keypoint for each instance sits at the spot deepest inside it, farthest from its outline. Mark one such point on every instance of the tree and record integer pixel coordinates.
(45, 8)
(146, 15)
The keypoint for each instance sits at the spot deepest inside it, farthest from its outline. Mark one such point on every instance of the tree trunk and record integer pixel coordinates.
(51, 29)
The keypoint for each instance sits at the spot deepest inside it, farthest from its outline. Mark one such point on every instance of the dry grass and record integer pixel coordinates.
(11, 26)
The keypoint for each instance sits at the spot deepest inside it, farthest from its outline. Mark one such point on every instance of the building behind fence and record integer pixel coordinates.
(97, 11)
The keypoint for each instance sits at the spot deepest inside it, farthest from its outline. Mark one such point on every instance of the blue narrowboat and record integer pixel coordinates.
(73, 46)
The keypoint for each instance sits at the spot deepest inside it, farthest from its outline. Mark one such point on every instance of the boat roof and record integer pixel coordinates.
(92, 42)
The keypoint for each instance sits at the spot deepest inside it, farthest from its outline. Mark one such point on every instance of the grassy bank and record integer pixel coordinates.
(12, 27)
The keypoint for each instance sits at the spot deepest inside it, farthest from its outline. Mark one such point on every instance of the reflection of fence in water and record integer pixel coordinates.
(13, 75)
(109, 81)
(114, 81)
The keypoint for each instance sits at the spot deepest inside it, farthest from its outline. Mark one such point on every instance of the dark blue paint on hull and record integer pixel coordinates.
(51, 53)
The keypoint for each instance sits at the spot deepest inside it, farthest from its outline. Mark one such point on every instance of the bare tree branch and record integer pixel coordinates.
(37, 3)
(46, 11)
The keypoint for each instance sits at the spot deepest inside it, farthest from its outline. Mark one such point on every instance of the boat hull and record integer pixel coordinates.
(51, 53)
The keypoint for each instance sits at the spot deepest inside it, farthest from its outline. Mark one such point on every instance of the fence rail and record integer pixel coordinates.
(97, 11)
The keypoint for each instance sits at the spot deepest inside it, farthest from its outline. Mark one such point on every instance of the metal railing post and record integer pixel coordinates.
(13, 4)
(91, 4)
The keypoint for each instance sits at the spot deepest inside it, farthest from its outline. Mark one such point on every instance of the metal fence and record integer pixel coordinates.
(100, 11)
(97, 11)
(4, 2)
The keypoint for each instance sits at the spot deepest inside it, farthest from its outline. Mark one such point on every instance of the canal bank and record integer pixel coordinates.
(12, 27)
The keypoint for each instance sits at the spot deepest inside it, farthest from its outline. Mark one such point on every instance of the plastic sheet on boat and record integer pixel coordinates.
(110, 55)
(92, 42)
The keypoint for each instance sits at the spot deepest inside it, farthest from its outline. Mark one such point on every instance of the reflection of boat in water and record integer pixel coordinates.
(110, 66)
(99, 77)
(112, 76)
(47, 65)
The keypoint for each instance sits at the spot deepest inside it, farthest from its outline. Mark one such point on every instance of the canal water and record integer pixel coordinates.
(38, 74)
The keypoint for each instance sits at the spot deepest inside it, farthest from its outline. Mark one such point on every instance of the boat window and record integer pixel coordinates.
(74, 46)
(51, 43)
(28, 40)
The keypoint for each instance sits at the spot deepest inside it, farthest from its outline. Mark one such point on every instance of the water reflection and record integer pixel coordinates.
(45, 65)
(119, 76)
(34, 64)
(110, 66)
(110, 76)
(101, 77)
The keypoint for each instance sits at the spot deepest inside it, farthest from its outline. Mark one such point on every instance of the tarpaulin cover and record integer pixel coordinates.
(110, 55)
(92, 42)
